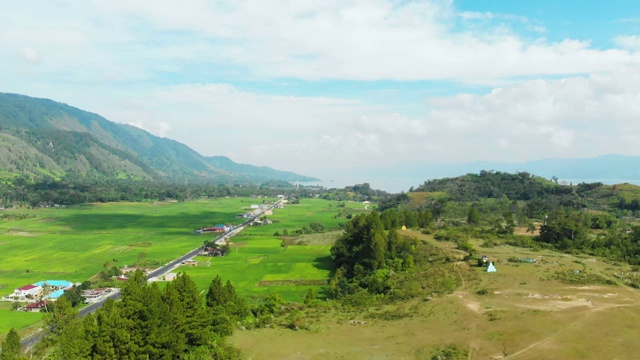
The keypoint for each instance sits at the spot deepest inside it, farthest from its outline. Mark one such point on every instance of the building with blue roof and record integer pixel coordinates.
(55, 295)
(58, 284)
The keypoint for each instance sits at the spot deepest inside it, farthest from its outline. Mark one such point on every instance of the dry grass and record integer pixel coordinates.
(523, 315)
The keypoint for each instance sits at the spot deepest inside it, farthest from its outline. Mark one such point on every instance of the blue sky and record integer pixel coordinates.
(339, 89)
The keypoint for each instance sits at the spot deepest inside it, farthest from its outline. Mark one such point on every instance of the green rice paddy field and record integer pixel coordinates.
(258, 264)
(73, 244)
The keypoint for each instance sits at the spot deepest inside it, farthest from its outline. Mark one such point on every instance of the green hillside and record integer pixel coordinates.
(41, 137)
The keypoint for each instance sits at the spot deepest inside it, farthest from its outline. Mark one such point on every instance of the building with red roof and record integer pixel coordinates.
(27, 292)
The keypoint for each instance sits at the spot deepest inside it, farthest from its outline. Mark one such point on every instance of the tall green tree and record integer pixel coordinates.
(11, 346)
(189, 318)
(61, 317)
(473, 217)
(73, 342)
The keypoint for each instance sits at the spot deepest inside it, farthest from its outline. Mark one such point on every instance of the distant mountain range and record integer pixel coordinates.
(41, 137)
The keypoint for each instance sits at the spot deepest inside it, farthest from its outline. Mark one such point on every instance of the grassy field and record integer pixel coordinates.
(74, 243)
(18, 320)
(259, 264)
(524, 311)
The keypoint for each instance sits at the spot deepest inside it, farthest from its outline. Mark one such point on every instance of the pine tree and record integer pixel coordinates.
(133, 309)
(73, 344)
(112, 340)
(157, 324)
(216, 294)
(11, 346)
(61, 316)
(189, 318)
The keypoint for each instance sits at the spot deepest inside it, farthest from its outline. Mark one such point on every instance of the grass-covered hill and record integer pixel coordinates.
(41, 137)
(521, 187)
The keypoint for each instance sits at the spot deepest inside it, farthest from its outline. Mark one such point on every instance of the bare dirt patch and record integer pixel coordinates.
(523, 231)
(21, 233)
(469, 303)
(301, 282)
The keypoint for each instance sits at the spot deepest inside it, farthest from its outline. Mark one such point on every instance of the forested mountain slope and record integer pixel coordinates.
(41, 137)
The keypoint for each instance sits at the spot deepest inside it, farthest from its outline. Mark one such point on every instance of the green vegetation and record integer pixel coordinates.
(365, 256)
(11, 346)
(321, 271)
(147, 323)
(19, 320)
(93, 241)
(593, 218)
(46, 140)
(259, 262)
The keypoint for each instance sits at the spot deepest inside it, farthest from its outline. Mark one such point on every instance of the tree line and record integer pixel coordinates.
(150, 323)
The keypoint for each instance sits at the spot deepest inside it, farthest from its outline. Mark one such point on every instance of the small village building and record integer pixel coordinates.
(27, 291)
(218, 228)
(36, 306)
(93, 294)
(268, 212)
(190, 262)
(255, 206)
(170, 276)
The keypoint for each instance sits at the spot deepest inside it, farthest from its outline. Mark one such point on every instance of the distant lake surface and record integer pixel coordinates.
(604, 181)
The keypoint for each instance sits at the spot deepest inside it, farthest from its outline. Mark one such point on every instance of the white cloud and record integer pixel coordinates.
(308, 134)
(579, 116)
(358, 40)
(535, 119)
(631, 42)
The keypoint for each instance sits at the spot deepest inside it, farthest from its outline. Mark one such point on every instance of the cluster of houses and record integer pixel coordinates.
(38, 294)
(217, 249)
(247, 215)
(48, 289)
(218, 228)
(255, 210)
(261, 222)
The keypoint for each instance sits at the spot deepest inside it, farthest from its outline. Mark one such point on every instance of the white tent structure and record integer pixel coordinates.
(491, 268)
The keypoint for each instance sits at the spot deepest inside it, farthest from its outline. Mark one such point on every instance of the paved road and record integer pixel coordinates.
(34, 338)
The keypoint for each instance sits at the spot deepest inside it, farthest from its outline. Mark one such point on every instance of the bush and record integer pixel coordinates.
(482, 292)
